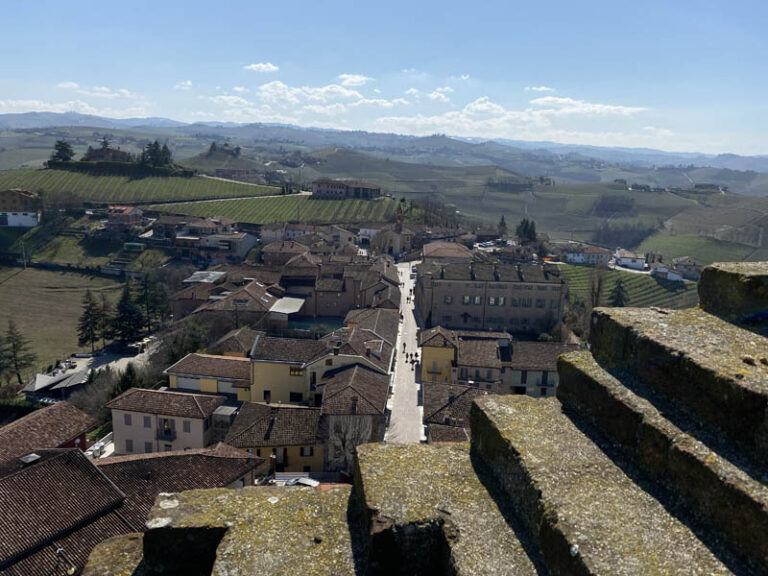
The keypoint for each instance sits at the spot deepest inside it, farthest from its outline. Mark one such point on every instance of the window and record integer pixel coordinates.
(129, 445)
(554, 304)
(206, 424)
(147, 447)
(307, 451)
(307, 468)
(448, 299)
(186, 425)
(447, 319)
(525, 302)
(488, 386)
(478, 300)
(300, 372)
(502, 300)
(524, 377)
(491, 300)
(542, 391)
(296, 397)
(514, 302)
(267, 396)
(465, 299)
(167, 447)
(258, 452)
(147, 422)
(488, 374)
(540, 302)
(329, 361)
(545, 378)
(127, 419)
(518, 389)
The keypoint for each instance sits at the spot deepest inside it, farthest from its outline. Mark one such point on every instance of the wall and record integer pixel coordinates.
(276, 378)
(196, 438)
(443, 355)
(296, 462)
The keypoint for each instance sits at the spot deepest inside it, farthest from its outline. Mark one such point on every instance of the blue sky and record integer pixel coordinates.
(679, 75)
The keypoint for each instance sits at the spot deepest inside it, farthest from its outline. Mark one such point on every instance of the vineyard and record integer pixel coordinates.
(289, 209)
(643, 290)
(65, 185)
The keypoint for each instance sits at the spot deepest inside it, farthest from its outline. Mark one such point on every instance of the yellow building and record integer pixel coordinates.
(227, 375)
(438, 355)
(290, 434)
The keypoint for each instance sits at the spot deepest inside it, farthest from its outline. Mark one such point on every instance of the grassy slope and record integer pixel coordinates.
(46, 306)
(704, 249)
(643, 290)
(289, 208)
(124, 189)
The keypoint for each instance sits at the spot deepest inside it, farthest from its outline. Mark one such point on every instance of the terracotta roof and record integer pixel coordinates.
(481, 272)
(221, 367)
(259, 425)
(446, 250)
(49, 499)
(443, 433)
(538, 355)
(166, 403)
(238, 340)
(383, 322)
(438, 337)
(45, 428)
(481, 352)
(253, 297)
(449, 404)
(354, 390)
(294, 350)
(286, 246)
(143, 476)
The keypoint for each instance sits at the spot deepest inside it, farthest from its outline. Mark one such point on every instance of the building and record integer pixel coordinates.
(280, 252)
(123, 219)
(446, 253)
(661, 270)
(340, 189)
(524, 298)
(490, 361)
(587, 255)
(290, 434)
(235, 343)
(687, 268)
(203, 239)
(446, 411)
(60, 425)
(628, 259)
(19, 208)
(145, 421)
(210, 374)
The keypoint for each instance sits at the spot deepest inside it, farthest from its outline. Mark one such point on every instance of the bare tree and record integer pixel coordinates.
(346, 433)
(597, 286)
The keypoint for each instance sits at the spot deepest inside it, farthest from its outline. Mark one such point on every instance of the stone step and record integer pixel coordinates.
(584, 513)
(711, 369)
(737, 291)
(430, 512)
(722, 496)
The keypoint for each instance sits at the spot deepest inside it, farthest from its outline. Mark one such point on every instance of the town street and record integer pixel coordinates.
(406, 418)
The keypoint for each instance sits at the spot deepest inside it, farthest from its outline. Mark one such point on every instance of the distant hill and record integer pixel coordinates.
(29, 120)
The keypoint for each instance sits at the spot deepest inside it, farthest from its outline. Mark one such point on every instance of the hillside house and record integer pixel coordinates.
(628, 259)
(341, 189)
(687, 268)
(124, 219)
(587, 255)
(19, 208)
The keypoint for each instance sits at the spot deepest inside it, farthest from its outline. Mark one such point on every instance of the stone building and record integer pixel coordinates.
(340, 189)
(523, 298)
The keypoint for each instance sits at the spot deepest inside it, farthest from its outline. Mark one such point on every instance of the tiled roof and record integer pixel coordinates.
(481, 272)
(446, 250)
(166, 403)
(286, 246)
(448, 404)
(46, 428)
(383, 322)
(221, 367)
(143, 476)
(295, 350)
(259, 425)
(437, 337)
(49, 499)
(538, 355)
(354, 390)
(253, 297)
(238, 340)
(443, 433)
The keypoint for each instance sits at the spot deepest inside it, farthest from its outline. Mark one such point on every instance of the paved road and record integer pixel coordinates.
(406, 419)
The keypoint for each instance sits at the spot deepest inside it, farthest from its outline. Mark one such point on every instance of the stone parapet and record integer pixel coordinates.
(737, 291)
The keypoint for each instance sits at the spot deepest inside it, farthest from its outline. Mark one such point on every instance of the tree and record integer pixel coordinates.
(213, 149)
(129, 321)
(105, 329)
(104, 143)
(526, 230)
(18, 352)
(165, 155)
(502, 227)
(128, 379)
(596, 286)
(346, 432)
(619, 297)
(62, 151)
(154, 300)
(90, 324)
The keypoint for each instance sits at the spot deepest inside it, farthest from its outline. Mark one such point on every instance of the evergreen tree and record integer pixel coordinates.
(90, 323)
(5, 360)
(213, 149)
(619, 297)
(153, 300)
(526, 230)
(502, 227)
(105, 329)
(165, 155)
(129, 321)
(128, 379)
(62, 151)
(104, 143)
(17, 351)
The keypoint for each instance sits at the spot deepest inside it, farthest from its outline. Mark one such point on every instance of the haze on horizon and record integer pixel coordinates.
(673, 77)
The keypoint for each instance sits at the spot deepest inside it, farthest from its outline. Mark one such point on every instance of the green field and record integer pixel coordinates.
(643, 289)
(83, 187)
(46, 306)
(289, 209)
(703, 248)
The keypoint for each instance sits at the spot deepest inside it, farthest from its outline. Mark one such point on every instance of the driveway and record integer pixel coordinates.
(406, 414)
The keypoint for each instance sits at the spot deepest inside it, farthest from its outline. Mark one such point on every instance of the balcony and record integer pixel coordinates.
(168, 434)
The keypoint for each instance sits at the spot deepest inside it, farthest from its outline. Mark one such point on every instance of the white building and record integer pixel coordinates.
(628, 259)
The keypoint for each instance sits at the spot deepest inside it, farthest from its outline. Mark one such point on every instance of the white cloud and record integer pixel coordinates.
(99, 91)
(71, 85)
(241, 89)
(354, 80)
(184, 85)
(412, 92)
(279, 92)
(438, 97)
(657, 131)
(380, 102)
(325, 110)
(408, 70)
(262, 67)
(376, 91)
(558, 106)
(464, 76)
(444, 89)
(539, 89)
(236, 101)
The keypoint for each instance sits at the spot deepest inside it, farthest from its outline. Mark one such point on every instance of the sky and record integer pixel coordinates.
(674, 75)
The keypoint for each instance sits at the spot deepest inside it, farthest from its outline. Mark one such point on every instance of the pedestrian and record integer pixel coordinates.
(403, 347)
